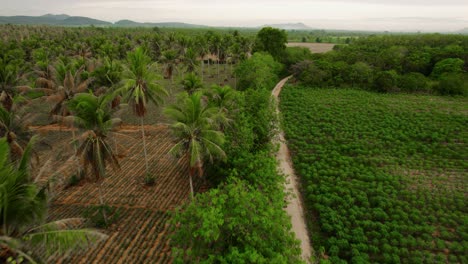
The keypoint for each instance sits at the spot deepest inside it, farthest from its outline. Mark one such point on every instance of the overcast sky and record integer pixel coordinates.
(392, 15)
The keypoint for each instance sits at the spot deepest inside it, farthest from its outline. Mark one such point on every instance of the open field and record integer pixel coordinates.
(384, 176)
(314, 47)
(140, 233)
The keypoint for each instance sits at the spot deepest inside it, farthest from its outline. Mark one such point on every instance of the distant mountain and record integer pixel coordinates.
(50, 19)
(130, 23)
(66, 20)
(290, 26)
(83, 21)
(57, 17)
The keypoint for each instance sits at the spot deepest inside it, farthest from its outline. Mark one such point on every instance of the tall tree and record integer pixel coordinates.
(140, 88)
(197, 138)
(271, 40)
(94, 115)
(23, 206)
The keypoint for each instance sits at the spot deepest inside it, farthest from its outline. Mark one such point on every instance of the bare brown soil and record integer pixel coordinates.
(314, 47)
(140, 234)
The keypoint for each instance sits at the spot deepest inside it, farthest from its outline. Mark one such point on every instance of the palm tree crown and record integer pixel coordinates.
(195, 129)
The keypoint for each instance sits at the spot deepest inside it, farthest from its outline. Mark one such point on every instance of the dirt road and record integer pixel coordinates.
(294, 208)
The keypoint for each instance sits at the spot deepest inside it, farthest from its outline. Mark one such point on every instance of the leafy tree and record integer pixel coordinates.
(450, 65)
(413, 82)
(258, 72)
(23, 232)
(139, 87)
(234, 223)
(453, 84)
(386, 81)
(195, 129)
(271, 40)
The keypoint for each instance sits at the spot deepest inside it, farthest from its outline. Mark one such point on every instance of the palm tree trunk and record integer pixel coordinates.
(101, 200)
(144, 145)
(75, 149)
(202, 68)
(191, 184)
(217, 62)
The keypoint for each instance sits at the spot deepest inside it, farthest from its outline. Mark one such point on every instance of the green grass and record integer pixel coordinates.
(384, 176)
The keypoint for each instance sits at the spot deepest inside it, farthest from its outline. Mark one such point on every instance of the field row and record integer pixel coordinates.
(385, 175)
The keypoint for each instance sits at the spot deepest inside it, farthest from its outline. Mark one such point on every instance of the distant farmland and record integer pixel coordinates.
(314, 47)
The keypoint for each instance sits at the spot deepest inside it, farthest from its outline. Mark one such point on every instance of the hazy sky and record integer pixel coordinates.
(394, 15)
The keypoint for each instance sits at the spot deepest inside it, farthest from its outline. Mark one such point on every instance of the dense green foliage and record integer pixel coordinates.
(384, 175)
(272, 41)
(408, 63)
(235, 223)
(259, 72)
(242, 220)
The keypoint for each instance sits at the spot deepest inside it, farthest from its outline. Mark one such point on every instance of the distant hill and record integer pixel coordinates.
(83, 21)
(130, 23)
(50, 19)
(57, 17)
(66, 20)
(290, 26)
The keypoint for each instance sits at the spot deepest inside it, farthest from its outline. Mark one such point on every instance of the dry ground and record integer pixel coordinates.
(141, 232)
(314, 47)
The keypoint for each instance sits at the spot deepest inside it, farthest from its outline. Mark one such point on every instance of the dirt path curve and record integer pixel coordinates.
(294, 208)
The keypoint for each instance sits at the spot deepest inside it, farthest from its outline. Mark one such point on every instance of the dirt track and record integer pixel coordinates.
(294, 208)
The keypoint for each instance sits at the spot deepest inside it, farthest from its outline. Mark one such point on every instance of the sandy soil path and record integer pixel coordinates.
(294, 208)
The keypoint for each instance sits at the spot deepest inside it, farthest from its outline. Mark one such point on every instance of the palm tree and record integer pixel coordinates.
(14, 127)
(23, 210)
(68, 82)
(195, 129)
(169, 58)
(94, 115)
(223, 98)
(191, 83)
(140, 87)
(190, 60)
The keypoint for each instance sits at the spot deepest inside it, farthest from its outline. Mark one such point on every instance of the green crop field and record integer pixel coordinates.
(384, 175)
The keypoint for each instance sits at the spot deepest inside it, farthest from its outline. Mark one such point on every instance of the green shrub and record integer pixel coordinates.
(452, 84)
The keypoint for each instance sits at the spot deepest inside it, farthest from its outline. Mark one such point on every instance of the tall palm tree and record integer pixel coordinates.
(140, 87)
(195, 129)
(190, 60)
(23, 209)
(93, 115)
(169, 58)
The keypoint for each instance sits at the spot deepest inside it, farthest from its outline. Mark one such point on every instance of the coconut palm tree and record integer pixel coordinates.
(14, 127)
(195, 130)
(169, 58)
(23, 208)
(191, 83)
(190, 59)
(202, 50)
(68, 82)
(93, 115)
(140, 88)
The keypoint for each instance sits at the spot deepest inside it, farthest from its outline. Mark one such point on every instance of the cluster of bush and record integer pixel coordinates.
(242, 220)
(435, 64)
